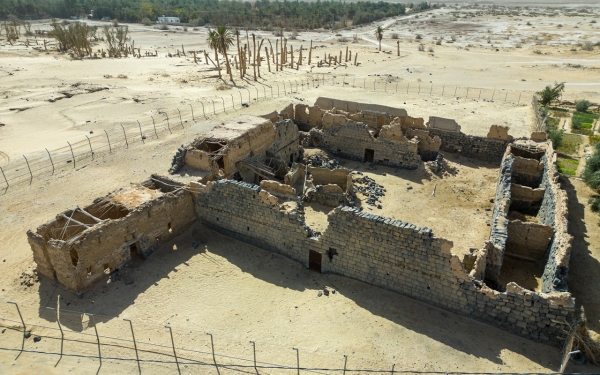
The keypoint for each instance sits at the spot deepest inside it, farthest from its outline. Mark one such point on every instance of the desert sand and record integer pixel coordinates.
(241, 293)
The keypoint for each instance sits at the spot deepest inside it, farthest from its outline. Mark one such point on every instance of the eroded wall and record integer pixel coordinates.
(388, 253)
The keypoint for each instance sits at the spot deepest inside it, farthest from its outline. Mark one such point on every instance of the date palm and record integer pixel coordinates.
(220, 40)
(213, 43)
(379, 35)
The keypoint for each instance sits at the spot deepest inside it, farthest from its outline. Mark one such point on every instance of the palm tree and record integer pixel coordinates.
(213, 43)
(549, 93)
(379, 35)
(224, 41)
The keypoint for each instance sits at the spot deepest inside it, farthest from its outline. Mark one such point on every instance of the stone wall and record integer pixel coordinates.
(83, 258)
(354, 141)
(388, 253)
(286, 145)
(353, 107)
(481, 148)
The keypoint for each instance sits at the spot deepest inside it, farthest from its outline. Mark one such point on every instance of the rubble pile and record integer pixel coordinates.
(370, 189)
(321, 161)
(178, 160)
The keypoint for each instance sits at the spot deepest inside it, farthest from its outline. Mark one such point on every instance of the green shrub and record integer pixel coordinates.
(594, 203)
(582, 105)
(569, 144)
(556, 136)
(594, 139)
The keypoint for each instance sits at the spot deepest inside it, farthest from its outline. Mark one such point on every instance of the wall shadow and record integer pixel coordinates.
(584, 269)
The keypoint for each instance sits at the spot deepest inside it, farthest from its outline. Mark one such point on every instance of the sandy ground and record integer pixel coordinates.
(238, 292)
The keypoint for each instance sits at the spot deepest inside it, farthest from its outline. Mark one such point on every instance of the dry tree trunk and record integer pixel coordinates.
(254, 42)
(268, 61)
(310, 52)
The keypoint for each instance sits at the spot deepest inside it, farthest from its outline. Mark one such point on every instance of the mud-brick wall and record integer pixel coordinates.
(554, 212)
(286, 143)
(248, 213)
(480, 148)
(351, 140)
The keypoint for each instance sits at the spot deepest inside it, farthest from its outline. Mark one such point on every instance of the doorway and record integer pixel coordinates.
(314, 261)
(134, 253)
(369, 155)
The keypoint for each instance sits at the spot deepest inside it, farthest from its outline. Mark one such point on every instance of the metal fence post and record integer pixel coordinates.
(108, 139)
(254, 352)
(212, 345)
(31, 174)
(431, 89)
(271, 88)
(50, 160)
(284, 89)
(134, 345)
(345, 362)
(98, 339)
(393, 366)
(455, 88)
(247, 89)
(180, 120)
(62, 334)
(174, 352)
(192, 108)
(3, 175)
(154, 124)
(374, 88)
(214, 110)
(265, 92)
(241, 99)
(278, 90)
(125, 134)
(91, 149)
(493, 93)
(24, 328)
(443, 89)
(223, 100)
(519, 101)
(365, 83)
(203, 113)
(467, 96)
(297, 360)
(505, 96)
(141, 135)
(419, 92)
(407, 86)
(232, 102)
(353, 81)
(72, 154)
(168, 123)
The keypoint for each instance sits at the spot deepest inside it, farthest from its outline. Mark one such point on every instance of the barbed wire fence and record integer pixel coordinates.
(128, 132)
(137, 348)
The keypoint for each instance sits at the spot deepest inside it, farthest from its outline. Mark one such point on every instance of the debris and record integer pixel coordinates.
(129, 281)
(27, 334)
(320, 294)
(37, 339)
(321, 161)
(326, 292)
(409, 187)
(372, 190)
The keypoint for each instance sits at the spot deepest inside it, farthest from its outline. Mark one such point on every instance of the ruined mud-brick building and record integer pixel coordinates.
(244, 180)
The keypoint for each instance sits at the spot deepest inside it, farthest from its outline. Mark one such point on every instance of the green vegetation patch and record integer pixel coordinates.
(594, 139)
(570, 144)
(567, 166)
(580, 118)
(558, 112)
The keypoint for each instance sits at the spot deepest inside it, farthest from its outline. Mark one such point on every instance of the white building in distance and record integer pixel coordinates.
(164, 19)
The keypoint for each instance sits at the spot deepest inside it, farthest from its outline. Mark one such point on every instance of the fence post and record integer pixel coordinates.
(192, 108)
(214, 110)
(91, 149)
(247, 89)
(396, 87)
(125, 134)
(394, 365)
(385, 86)
(7, 185)
(168, 123)
(223, 100)
(98, 339)
(241, 99)
(353, 81)
(271, 88)
(174, 353)
(284, 89)
(108, 139)
(232, 102)
(254, 352)
(31, 174)
(265, 92)
(212, 345)
(154, 124)
(467, 97)
(365, 83)
(203, 113)
(493, 93)
(141, 135)
(345, 361)
(180, 120)
(431, 89)
(72, 154)
(505, 96)
(24, 328)
(519, 101)
(407, 86)
(419, 93)
(50, 160)
(455, 88)
(134, 345)
(278, 90)
(443, 89)
(374, 88)
(297, 360)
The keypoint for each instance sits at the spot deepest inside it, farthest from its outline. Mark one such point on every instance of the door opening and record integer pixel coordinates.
(369, 155)
(314, 261)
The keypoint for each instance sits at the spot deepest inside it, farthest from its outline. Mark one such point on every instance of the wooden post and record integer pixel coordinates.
(254, 42)
(235, 61)
(285, 49)
(258, 56)
(205, 57)
(340, 60)
(398, 43)
(196, 60)
(268, 61)
(310, 52)
(276, 55)
(346, 59)
(291, 57)
(355, 58)
(183, 50)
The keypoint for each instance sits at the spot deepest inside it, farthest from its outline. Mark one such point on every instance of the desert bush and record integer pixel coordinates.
(278, 33)
(453, 38)
(421, 47)
(587, 46)
(342, 39)
(146, 21)
(163, 26)
(122, 76)
(438, 42)
(418, 36)
(115, 39)
(74, 37)
(395, 36)
(185, 28)
(355, 38)
(537, 52)
(582, 105)
(294, 35)
(430, 49)
(115, 22)
(556, 137)
(594, 203)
